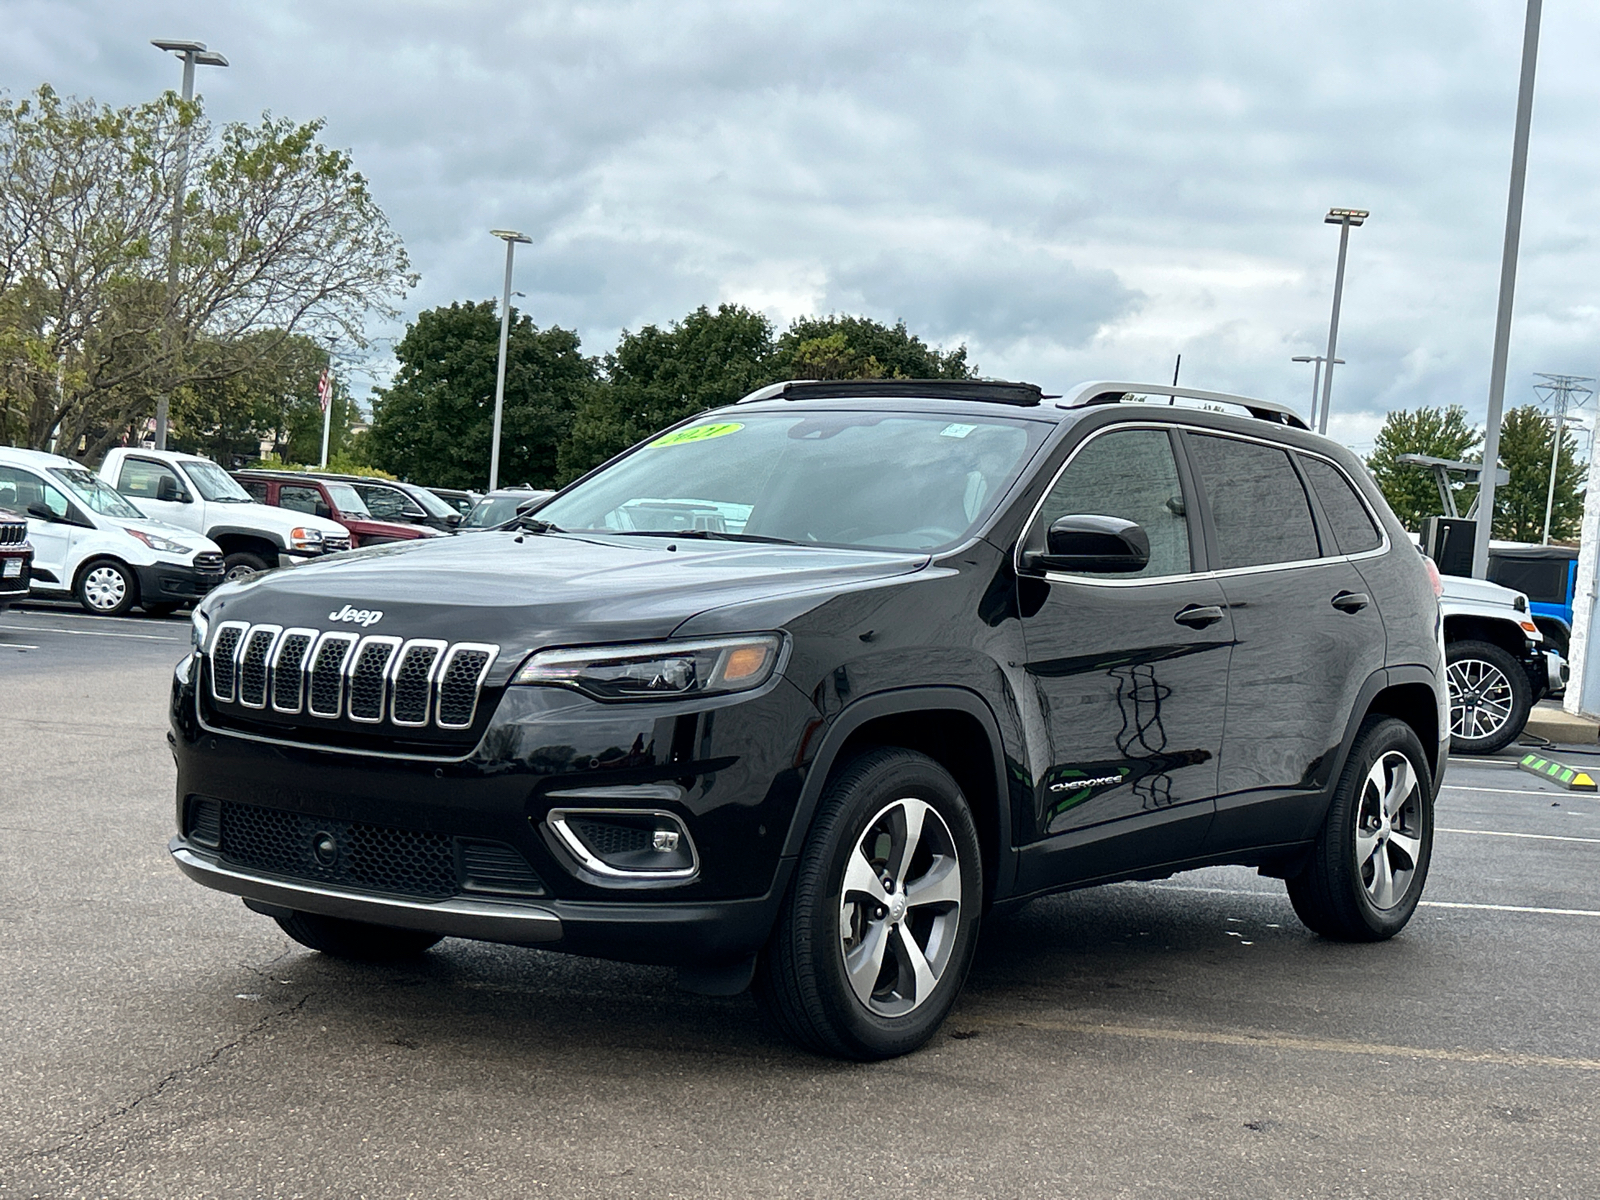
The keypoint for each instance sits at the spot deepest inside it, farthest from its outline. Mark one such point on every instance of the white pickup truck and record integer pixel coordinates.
(1497, 663)
(195, 493)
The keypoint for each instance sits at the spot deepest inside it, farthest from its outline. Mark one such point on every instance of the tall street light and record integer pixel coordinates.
(1344, 218)
(193, 54)
(1316, 380)
(511, 237)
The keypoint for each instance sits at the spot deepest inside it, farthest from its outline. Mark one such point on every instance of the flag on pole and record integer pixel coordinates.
(325, 389)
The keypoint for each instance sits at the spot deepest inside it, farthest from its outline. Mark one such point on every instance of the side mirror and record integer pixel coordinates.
(1094, 545)
(452, 519)
(167, 489)
(38, 511)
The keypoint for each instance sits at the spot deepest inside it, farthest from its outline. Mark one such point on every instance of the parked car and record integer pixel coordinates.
(405, 503)
(500, 506)
(194, 493)
(1548, 577)
(460, 499)
(329, 499)
(1499, 664)
(749, 702)
(16, 559)
(92, 544)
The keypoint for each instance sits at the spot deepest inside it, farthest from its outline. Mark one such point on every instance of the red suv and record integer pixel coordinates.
(326, 498)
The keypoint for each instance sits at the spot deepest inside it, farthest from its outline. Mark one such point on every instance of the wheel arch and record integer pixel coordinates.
(94, 559)
(952, 726)
(1508, 635)
(1408, 694)
(241, 541)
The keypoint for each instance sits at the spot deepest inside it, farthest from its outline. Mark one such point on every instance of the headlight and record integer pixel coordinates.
(160, 545)
(661, 671)
(305, 539)
(199, 623)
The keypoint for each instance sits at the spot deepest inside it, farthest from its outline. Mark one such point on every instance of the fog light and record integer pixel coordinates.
(626, 843)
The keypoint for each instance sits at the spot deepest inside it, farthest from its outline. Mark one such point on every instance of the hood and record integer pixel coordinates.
(196, 543)
(392, 529)
(264, 516)
(1477, 591)
(541, 590)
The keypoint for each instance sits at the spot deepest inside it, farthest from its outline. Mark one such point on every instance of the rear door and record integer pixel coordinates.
(1307, 636)
(1129, 673)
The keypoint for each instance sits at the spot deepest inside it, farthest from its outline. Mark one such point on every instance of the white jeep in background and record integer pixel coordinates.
(1497, 662)
(195, 493)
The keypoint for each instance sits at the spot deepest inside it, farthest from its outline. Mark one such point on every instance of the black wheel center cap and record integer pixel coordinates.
(325, 848)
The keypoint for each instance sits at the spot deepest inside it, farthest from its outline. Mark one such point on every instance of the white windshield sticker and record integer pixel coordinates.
(956, 430)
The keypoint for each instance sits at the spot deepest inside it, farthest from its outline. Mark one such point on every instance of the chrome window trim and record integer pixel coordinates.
(1225, 573)
(216, 636)
(446, 659)
(353, 661)
(557, 819)
(309, 666)
(277, 657)
(433, 674)
(274, 632)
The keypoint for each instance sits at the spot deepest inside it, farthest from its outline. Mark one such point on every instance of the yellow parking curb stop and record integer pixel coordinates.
(1570, 778)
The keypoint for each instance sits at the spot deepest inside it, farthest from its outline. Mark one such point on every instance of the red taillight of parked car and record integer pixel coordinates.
(1433, 577)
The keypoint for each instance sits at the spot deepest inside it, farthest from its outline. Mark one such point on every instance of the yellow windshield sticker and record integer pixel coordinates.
(698, 433)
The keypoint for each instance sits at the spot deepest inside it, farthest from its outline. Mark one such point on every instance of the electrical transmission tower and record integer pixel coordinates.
(1560, 392)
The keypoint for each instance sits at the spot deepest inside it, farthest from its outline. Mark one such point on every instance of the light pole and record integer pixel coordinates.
(193, 54)
(1560, 390)
(1316, 379)
(511, 237)
(1344, 218)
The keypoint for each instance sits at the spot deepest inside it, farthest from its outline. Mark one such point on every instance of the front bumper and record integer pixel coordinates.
(15, 587)
(172, 583)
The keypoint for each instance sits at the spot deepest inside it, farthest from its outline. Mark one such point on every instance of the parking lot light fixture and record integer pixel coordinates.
(511, 237)
(1344, 218)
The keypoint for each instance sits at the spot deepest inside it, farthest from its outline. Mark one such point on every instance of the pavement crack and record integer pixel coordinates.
(160, 1085)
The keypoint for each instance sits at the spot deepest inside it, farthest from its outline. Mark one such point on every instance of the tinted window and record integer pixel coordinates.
(384, 503)
(1352, 525)
(256, 488)
(1543, 579)
(302, 499)
(1129, 474)
(1258, 506)
(142, 480)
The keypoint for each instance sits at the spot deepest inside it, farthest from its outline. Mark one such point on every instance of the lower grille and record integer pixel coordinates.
(353, 854)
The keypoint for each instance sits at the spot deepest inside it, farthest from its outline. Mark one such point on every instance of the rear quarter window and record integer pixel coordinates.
(1348, 518)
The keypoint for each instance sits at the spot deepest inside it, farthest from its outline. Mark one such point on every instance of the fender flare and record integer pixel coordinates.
(1378, 681)
(260, 535)
(896, 702)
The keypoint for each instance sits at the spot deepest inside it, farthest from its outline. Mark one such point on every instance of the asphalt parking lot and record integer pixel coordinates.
(1186, 1038)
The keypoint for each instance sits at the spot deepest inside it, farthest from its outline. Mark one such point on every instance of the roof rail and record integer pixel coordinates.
(1111, 393)
(993, 391)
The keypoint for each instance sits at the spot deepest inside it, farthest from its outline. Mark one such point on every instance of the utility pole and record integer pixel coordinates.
(1508, 287)
(193, 54)
(1344, 218)
(1316, 380)
(1558, 391)
(511, 237)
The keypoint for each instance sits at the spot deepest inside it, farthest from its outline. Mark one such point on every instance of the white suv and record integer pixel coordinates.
(194, 492)
(91, 543)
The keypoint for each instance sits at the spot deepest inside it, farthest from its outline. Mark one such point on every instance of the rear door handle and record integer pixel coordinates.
(1199, 615)
(1351, 601)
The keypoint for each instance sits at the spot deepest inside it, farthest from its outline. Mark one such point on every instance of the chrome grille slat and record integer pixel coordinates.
(325, 674)
(224, 649)
(255, 653)
(369, 677)
(411, 683)
(288, 670)
(460, 680)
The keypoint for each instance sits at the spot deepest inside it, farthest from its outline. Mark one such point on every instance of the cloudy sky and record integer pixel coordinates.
(1075, 190)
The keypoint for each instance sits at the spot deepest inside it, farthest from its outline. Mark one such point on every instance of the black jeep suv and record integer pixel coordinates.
(796, 691)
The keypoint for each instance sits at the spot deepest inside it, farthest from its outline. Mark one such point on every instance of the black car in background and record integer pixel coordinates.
(797, 691)
(502, 505)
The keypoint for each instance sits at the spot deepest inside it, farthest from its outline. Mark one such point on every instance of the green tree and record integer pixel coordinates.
(1439, 432)
(656, 377)
(1525, 448)
(271, 400)
(435, 422)
(280, 236)
(861, 348)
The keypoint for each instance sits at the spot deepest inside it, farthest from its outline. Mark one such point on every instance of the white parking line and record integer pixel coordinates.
(16, 646)
(1515, 908)
(1539, 837)
(143, 637)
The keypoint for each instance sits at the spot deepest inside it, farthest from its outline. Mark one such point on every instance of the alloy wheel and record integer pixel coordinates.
(1481, 699)
(1389, 829)
(105, 588)
(900, 907)
(239, 571)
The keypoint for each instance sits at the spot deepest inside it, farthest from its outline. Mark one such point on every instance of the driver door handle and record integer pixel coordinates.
(1351, 601)
(1198, 616)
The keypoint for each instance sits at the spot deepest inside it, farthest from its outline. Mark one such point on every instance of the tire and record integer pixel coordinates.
(1490, 697)
(107, 588)
(357, 940)
(160, 610)
(1370, 862)
(924, 928)
(241, 565)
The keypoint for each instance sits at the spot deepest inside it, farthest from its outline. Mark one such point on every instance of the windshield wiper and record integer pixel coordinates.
(534, 525)
(706, 535)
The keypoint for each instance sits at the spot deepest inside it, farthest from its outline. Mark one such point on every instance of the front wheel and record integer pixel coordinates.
(1490, 697)
(1370, 861)
(340, 938)
(241, 565)
(879, 927)
(107, 588)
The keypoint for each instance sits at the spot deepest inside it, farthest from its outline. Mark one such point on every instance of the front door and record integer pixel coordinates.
(52, 540)
(1129, 673)
(158, 491)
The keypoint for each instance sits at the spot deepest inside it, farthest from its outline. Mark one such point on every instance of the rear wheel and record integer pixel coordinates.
(107, 588)
(355, 939)
(878, 929)
(1490, 697)
(1370, 862)
(242, 564)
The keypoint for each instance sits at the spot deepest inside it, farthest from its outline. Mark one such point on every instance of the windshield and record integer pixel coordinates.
(215, 484)
(348, 501)
(431, 504)
(897, 481)
(88, 488)
(497, 510)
